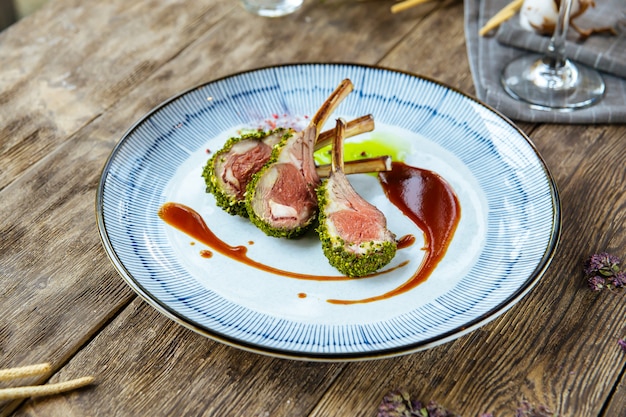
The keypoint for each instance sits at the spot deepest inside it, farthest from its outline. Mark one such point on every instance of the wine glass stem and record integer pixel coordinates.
(556, 49)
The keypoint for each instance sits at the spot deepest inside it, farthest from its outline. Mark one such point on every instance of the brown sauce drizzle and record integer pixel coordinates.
(422, 195)
(188, 221)
(429, 201)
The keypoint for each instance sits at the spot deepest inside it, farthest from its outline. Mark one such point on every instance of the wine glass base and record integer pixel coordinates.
(534, 80)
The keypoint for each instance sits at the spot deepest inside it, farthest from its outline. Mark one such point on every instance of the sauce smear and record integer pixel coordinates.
(429, 201)
(188, 221)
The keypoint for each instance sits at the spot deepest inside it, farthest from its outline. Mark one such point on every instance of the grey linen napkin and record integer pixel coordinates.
(489, 54)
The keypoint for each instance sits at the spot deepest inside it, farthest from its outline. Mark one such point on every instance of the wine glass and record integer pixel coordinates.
(551, 81)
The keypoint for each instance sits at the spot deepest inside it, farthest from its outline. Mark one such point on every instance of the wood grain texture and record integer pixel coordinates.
(71, 86)
(421, 51)
(69, 62)
(195, 376)
(617, 403)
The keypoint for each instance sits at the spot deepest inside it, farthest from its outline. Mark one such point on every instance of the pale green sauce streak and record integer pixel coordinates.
(376, 144)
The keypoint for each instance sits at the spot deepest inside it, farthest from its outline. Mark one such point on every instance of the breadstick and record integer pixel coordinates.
(40, 390)
(406, 4)
(25, 371)
(502, 16)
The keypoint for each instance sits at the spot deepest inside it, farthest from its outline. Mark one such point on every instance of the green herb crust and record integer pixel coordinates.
(377, 255)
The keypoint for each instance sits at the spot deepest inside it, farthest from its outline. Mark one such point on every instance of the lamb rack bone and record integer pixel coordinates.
(281, 198)
(353, 128)
(359, 166)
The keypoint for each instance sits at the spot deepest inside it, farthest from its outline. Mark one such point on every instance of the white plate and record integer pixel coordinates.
(505, 239)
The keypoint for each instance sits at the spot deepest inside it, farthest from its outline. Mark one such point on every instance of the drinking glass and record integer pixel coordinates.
(551, 81)
(272, 8)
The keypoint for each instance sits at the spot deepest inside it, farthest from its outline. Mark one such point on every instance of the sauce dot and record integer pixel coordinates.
(301, 295)
(406, 241)
(206, 253)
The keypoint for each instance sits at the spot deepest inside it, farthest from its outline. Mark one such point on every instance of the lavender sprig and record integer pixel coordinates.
(527, 409)
(400, 404)
(603, 270)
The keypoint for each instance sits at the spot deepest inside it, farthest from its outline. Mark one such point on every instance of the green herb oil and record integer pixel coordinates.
(375, 145)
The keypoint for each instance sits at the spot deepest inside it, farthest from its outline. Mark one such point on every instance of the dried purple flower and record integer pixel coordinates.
(526, 409)
(603, 270)
(596, 283)
(619, 280)
(622, 344)
(399, 404)
(437, 410)
(603, 263)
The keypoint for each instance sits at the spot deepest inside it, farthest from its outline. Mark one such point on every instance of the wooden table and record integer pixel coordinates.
(76, 74)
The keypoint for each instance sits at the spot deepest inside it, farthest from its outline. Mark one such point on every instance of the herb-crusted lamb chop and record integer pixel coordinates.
(281, 198)
(353, 232)
(229, 170)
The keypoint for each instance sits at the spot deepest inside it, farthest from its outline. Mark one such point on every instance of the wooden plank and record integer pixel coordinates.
(194, 375)
(55, 198)
(421, 52)
(59, 74)
(617, 403)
